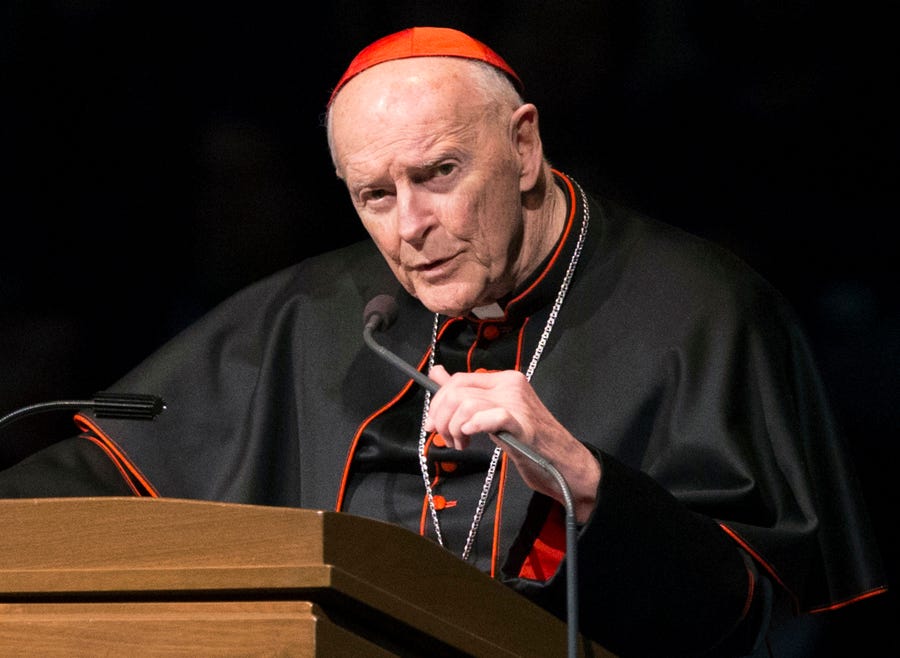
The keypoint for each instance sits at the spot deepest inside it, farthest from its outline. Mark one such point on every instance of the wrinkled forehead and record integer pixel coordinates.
(413, 108)
(409, 84)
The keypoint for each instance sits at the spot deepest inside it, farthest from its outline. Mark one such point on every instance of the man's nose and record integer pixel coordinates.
(415, 215)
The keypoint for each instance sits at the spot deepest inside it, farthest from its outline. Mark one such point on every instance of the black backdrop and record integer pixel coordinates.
(158, 156)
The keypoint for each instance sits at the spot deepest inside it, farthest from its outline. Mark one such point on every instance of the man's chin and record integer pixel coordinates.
(444, 301)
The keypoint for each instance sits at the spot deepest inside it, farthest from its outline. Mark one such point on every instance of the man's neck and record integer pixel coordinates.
(543, 225)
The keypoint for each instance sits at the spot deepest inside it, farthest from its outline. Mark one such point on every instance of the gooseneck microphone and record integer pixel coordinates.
(380, 313)
(136, 406)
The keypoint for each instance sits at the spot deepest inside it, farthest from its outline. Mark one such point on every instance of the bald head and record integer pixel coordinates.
(476, 83)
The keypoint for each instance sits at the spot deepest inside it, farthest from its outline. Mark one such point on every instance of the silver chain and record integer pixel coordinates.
(423, 435)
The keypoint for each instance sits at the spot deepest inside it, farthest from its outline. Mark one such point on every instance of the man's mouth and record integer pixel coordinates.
(431, 265)
(435, 268)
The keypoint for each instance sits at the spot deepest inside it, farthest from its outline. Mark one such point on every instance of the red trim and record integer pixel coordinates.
(136, 480)
(109, 453)
(346, 476)
(765, 565)
(751, 589)
(443, 328)
(841, 604)
(771, 571)
(498, 517)
(520, 343)
(474, 345)
(570, 222)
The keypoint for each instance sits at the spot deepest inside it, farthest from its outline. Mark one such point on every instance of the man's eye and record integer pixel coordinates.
(373, 195)
(444, 169)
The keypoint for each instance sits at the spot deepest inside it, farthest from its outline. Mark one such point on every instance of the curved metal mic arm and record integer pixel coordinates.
(373, 322)
(136, 406)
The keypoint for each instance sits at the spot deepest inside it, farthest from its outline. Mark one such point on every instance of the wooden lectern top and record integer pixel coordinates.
(211, 573)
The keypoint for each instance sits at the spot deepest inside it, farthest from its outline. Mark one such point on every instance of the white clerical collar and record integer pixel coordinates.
(488, 312)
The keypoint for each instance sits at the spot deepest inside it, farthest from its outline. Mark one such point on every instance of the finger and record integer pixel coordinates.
(490, 379)
(490, 420)
(449, 413)
(439, 374)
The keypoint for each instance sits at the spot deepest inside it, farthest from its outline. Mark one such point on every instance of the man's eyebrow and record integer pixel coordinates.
(440, 158)
(430, 163)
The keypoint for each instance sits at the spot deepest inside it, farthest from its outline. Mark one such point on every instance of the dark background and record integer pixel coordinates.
(158, 156)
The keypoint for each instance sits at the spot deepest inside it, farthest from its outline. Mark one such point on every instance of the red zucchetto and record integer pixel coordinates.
(424, 42)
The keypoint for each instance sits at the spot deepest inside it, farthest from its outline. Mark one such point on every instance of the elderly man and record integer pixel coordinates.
(663, 379)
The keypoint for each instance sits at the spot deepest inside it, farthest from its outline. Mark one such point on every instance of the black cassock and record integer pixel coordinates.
(726, 495)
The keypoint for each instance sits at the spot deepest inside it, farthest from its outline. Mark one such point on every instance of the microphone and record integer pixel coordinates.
(379, 315)
(137, 406)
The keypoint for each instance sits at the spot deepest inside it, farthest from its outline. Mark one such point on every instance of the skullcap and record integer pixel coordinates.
(424, 42)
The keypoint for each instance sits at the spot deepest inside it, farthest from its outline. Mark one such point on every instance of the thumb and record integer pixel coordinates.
(439, 374)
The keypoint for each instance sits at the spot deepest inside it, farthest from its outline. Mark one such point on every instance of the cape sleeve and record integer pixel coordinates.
(74, 467)
(727, 497)
(645, 561)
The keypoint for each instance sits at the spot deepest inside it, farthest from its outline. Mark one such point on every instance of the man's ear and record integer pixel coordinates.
(527, 141)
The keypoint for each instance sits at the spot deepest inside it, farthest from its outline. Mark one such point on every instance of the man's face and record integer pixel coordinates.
(434, 178)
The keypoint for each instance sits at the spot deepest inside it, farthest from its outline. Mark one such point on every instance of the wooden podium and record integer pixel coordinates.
(166, 577)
